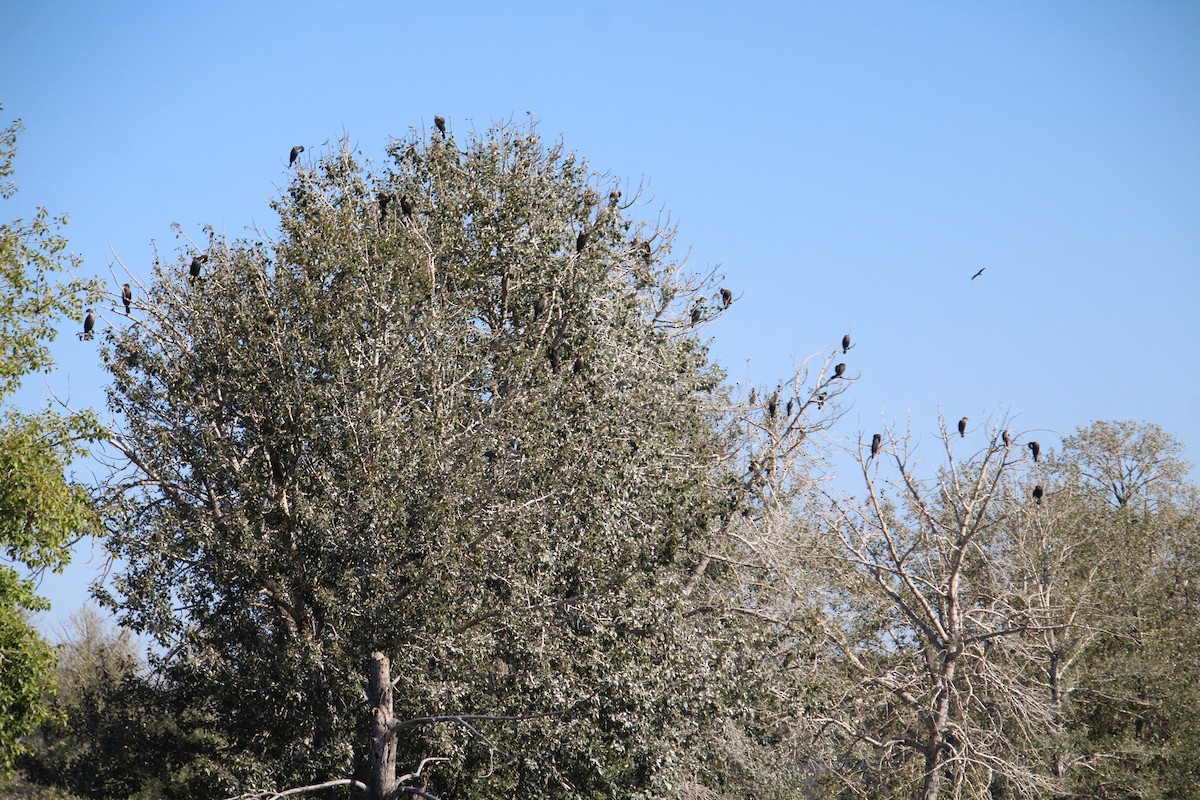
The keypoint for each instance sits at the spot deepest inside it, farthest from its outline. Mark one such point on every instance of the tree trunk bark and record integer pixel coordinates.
(383, 743)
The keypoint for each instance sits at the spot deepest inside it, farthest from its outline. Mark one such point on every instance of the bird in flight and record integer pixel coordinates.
(977, 274)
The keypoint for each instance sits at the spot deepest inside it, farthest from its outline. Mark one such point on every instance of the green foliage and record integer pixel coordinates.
(371, 435)
(41, 513)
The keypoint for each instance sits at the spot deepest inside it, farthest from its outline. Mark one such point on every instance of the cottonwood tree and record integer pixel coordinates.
(474, 429)
(42, 511)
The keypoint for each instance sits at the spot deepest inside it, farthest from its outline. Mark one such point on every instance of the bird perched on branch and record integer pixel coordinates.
(89, 322)
(1036, 449)
(772, 406)
(1037, 494)
(127, 297)
(578, 367)
(440, 122)
(977, 274)
(406, 205)
(296, 151)
(197, 263)
(539, 306)
(839, 370)
(581, 241)
(1007, 439)
(726, 297)
(790, 404)
(384, 199)
(554, 362)
(962, 427)
(876, 443)
(846, 343)
(697, 314)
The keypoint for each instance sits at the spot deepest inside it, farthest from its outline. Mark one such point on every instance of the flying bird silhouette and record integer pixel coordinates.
(726, 297)
(962, 427)
(977, 274)
(440, 122)
(296, 151)
(1037, 494)
(1035, 448)
(127, 297)
(876, 443)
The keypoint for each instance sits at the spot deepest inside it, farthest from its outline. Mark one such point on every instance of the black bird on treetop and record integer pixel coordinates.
(1007, 438)
(89, 322)
(384, 199)
(1037, 494)
(696, 315)
(614, 196)
(539, 307)
(581, 241)
(440, 122)
(296, 151)
(839, 370)
(406, 205)
(197, 262)
(876, 443)
(772, 405)
(1035, 448)
(962, 427)
(726, 297)
(977, 274)
(127, 297)
(846, 343)
(790, 403)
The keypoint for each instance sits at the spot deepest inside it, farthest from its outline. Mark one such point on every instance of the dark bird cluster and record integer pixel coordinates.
(296, 151)
(197, 263)
(127, 297)
(962, 427)
(1036, 449)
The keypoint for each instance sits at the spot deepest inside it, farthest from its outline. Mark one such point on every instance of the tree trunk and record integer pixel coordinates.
(383, 743)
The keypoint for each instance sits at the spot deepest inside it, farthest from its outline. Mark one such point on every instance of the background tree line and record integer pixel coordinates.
(457, 418)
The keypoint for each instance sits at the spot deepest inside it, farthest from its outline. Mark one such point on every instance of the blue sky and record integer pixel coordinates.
(849, 166)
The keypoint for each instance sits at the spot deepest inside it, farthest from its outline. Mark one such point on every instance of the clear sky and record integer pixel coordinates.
(849, 165)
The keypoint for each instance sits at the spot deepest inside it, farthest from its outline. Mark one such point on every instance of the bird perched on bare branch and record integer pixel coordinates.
(127, 297)
(197, 263)
(876, 443)
(406, 205)
(384, 199)
(581, 241)
(697, 314)
(977, 274)
(539, 306)
(1037, 494)
(962, 427)
(846, 343)
(89, 322)
(790, 404)
(440, 122)
(646, 251)
(578, 367)
(614, 197)
(839, 370)
(772, 406)
(726, 297)
(1007, 439)
(821, 400)
(1036, 449)
(296, 151)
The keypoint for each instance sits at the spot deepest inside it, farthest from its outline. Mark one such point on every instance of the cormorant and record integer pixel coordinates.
(384, 199)
(1037, 494)
(296, 151)
(977, 274)
(790, 404)
(406, 205)
(1035, 448)
(696, 315)
(89, 322)
(846, 343)
(962, 427)
(839, 370)
(127, 297)
(1007, 438)
(197, 262)
(578, 368)
(876, 443)
(539, 307)
(726, 297)
(440, 122)
(772, 405)
(554, 363)
(581, 241)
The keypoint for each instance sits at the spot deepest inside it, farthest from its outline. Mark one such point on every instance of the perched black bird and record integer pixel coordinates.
(839, 370)
(1037, 494)
(578, 368)
(127, 297)
(790, 404)
(581, 241)
(772, 406)
(440, 122)
(821, 400)
(846, 343)
(197, 262)
(539, 307)
(1007, 438)
(962, 427)
(1036, 449)
(696, 315)
(384, 199)
(647, 252)
(89, 322)
(406, 205)
(726, 297)
(977, 274)
(876, 443)
(554, 362)
(296, 151)
(270, 316)
(614, 197)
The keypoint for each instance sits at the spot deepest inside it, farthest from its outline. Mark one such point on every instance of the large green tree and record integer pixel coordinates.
(458, 411)
(41, 511)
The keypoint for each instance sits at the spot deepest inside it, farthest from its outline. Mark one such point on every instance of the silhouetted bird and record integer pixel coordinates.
(846, 343)
(197, 262)
(581, 241)
(296, 151)
(726, 297)
(839, 370)
(876, 443)
(440, 122)
(127, 297)
(790, 404)
(384, 199)
(647, 253)
(696, 315)
(772, 406)
(539, 307)
(1036, 449)
(269, 317)
(821, 400)
(614, 197)
(89, 322)
(554, 363)
(406, 205)
(977, 274)
(962, 427)
(1037, 494)
(578, 368)
(1007, 438)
